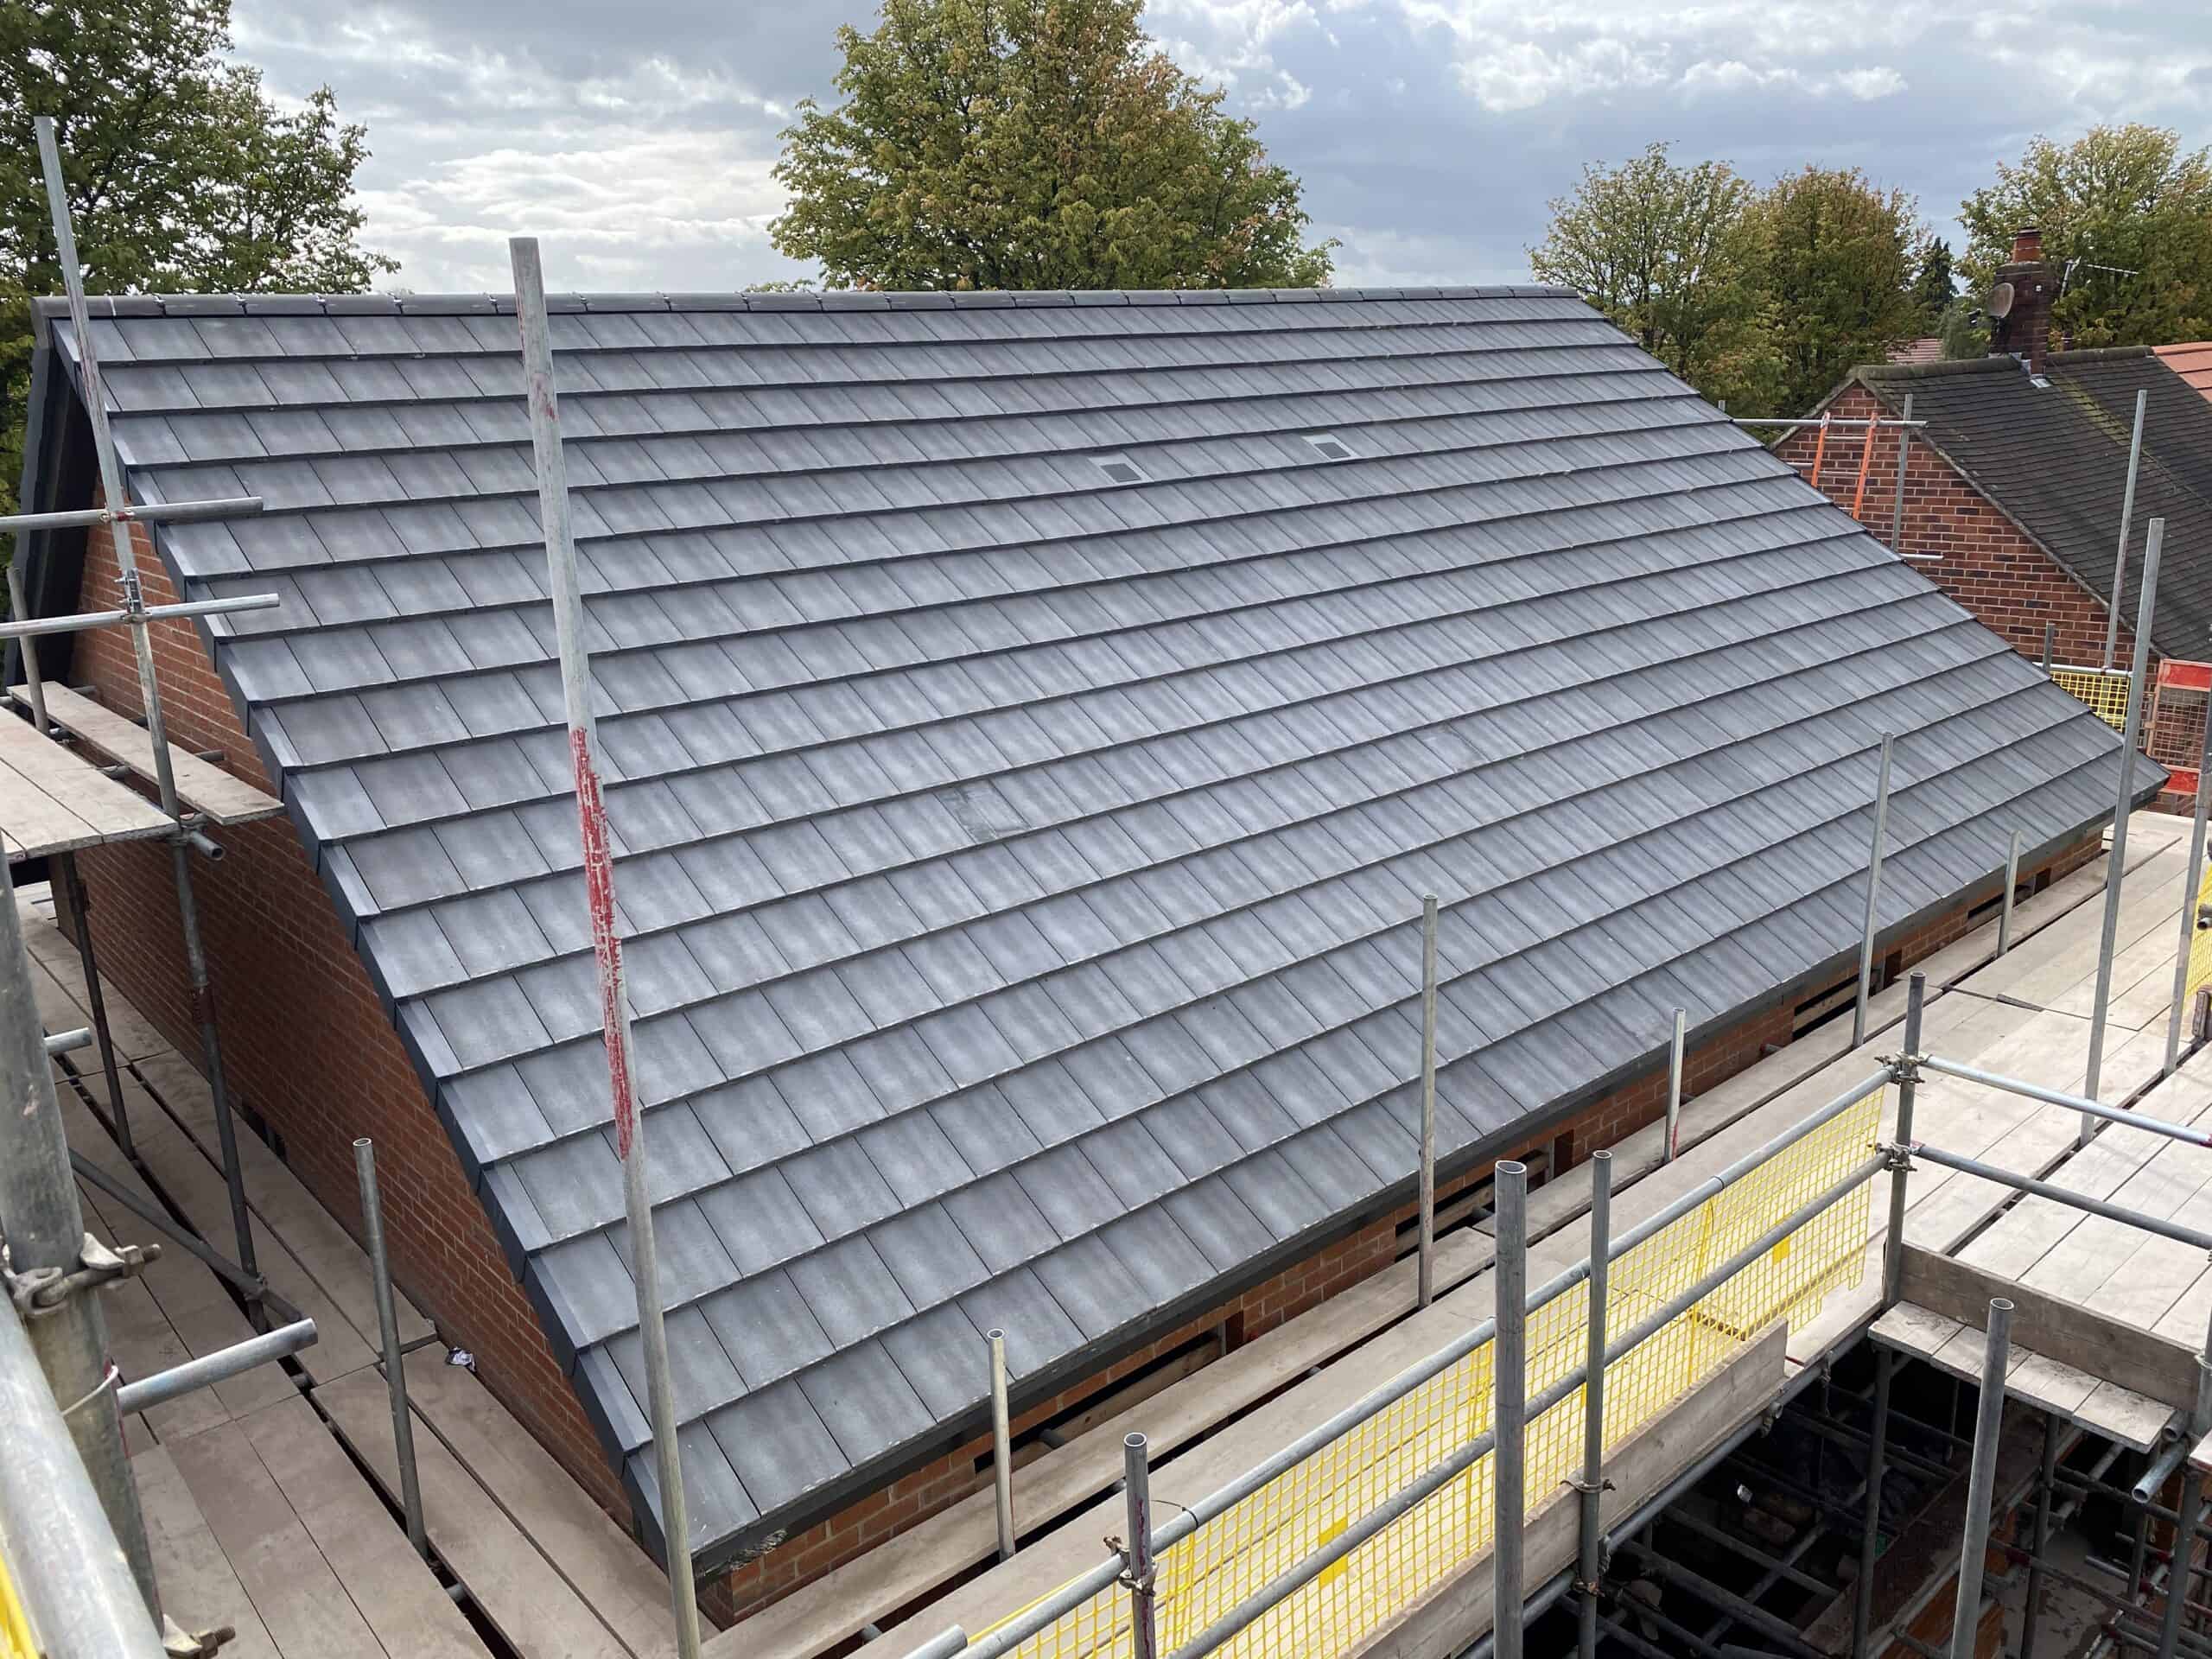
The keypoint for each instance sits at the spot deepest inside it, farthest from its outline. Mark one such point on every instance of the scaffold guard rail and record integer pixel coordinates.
(1343, 1530)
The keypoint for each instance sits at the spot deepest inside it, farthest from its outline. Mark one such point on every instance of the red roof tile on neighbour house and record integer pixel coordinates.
(2192, 361)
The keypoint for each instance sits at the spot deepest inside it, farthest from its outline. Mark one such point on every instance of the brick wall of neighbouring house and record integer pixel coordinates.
(308, 1048)
(1984, 561)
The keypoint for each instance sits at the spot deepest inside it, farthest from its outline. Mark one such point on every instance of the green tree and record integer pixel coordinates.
(1670, 254)
(1962, 331)
(1935, 285)
(1033, 143)
(1836, 258)
(182, 174)
(2126, 215)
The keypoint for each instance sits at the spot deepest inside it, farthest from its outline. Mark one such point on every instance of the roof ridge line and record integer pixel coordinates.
(487, 304)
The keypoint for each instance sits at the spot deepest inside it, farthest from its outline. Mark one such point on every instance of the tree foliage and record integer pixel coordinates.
(182, 174)
(2127, 197)
(1033, 143)
(1670, 254)
(1835, 257)
(1935, 285)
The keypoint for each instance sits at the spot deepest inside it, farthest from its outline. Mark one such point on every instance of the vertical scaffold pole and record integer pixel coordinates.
(1509, 1392)
(1869, 1538)
(2191, 1515)
(150, 697)
(1001, 1445)
(395, 1368)
(2116, 869)
(2192, 880)
(2012, 887)
(1593, 1484)
(1427, 1265)
(2046, 1479)
(607, 943)
(1136, 1492)
(1675, 1088)
(44, 1230)
(1981, 1476)
(2126, 518)
(1873, 894)
(2049, 645)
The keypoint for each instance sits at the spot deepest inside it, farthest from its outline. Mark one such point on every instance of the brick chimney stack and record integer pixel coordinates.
(2024, 331)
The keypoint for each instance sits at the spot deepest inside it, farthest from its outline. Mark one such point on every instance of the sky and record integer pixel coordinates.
(636, 139)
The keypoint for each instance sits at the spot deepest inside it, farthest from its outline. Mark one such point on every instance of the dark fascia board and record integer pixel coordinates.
(760, 1537)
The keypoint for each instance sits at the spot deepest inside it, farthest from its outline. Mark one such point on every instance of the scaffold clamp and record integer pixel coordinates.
(37, 1292)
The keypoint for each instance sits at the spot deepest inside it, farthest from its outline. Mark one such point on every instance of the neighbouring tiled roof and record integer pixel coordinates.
(2192, 362)
(1928, 350)
(2051, 451)
(1022, 868)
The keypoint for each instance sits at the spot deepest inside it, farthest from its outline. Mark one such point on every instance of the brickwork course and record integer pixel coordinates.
(1021, 841)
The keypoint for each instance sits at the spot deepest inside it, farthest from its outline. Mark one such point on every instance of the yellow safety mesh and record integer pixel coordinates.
(2105, 690)
(2200, 941)
(16, 1639)
(1299, 1512)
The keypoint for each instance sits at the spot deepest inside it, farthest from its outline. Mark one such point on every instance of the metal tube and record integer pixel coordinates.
(395, 1370)
(148, 512)
(1593, 1400)
(75, 1579)
(2191, 881)
(2012, 887)
(2178, 1575)
(1675, 1088)
(1904, 449)
(1509, 1397)
(951, 1643)
(2175, 1453)
(251, 1285)
(44, 1230)
(2049, 645)
(1001, 1444)
(67, 1042)
(80, 904)
(1536, 1606)
(2181, 1132)
(598, 888)
(1873, 894)
(1136, 1492)
(2046, 1478)
(218, 1367)
(1908, 1086)
(38, 627)
(1817, 420)
(1775, 1630)
(2126, 515)
(1426, 1282)
(34, 682)
(1869, 1535)
(1981, 1476)
(2081, 1201)
(2130, 736)
(150, 694)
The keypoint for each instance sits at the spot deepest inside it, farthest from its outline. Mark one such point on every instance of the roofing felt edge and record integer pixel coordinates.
(50, 308)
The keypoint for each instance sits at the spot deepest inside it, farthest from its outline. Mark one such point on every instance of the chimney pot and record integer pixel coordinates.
(2027, 246)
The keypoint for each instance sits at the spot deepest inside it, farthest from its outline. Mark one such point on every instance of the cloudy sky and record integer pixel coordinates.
(636, 138)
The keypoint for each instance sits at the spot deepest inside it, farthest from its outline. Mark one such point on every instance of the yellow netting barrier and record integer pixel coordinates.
(1241, 1551)
(2105, 690)
(16, 1639)
(2200, 941)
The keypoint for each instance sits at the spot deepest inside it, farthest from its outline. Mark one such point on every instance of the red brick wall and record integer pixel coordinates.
(305, 1041)
(308, 1046)
(1983, 560)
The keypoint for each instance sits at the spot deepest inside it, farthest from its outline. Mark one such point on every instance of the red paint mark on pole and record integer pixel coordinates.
(606, 942)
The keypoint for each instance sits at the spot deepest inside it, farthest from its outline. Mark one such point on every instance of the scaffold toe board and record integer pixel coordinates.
(203, 786)
(52, 801)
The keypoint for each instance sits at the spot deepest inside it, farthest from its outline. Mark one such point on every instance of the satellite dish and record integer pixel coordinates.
(2000, 300)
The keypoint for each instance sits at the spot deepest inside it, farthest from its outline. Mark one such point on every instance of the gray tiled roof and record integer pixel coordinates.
(2053, 456)
(1022, 869)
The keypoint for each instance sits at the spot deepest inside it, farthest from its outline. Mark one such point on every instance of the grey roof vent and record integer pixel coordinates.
(1331, 446)
(1120, 468)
